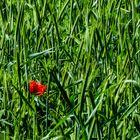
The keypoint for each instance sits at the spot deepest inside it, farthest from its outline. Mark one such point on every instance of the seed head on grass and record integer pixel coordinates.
(36, 88)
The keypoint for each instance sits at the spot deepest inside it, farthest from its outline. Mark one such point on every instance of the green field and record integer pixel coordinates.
(87, 53)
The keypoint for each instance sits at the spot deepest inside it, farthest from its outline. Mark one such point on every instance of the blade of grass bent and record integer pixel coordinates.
(22, 97)
(63, 92)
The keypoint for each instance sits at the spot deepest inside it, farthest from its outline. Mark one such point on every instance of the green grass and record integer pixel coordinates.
(87, 53)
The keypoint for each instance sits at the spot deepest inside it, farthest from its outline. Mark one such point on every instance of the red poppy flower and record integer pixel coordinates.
(35, 87)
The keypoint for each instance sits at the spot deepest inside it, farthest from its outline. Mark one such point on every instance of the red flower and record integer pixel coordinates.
(35, 87)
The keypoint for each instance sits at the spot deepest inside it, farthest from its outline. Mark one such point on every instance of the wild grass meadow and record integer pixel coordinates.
(87, 53)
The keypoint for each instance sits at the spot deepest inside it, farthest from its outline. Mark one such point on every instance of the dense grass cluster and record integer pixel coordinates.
(86, 52)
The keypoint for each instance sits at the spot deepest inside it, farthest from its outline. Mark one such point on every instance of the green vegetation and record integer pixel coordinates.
(86, 52)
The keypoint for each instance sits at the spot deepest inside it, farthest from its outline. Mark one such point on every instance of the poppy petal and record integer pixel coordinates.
(35, 87)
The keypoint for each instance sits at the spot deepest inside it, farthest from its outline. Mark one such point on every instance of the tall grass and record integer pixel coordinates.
(86, 52)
